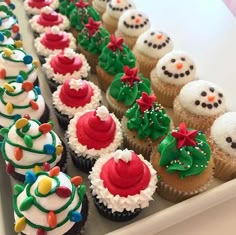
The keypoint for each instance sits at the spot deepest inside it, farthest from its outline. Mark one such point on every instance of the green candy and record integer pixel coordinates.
(27, 203)
(28, 141)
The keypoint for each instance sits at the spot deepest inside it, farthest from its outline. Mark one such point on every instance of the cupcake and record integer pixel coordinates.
(149, 48)
(74, 96)
(114, 10)
(92, 39)
(30, 145)
(66, 64)
(9, 22)
(198, 104)
(92, 134)
(172, 72)
(145, 125)
(112, 60)
(100, 6)
(34, 7)
(53, 42)
(125, 89)
(7, 41)
(130, 25)
(80, 16)
(122, 184)
(18, 98)
(50, 203)
(16, 61)
(47, 19)
(223, 143)
(183, 163)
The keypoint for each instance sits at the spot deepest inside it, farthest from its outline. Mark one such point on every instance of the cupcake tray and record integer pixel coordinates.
(159, 216)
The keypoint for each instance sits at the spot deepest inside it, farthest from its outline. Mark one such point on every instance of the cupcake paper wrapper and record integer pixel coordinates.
(74, 31)
(109, 23)
(129, 41)
(62, 119)
(52, 85)
(104, 79)
(42, 59)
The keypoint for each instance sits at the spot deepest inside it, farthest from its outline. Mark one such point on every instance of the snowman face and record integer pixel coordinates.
(223, 132)
(133, 23)
(202, 98)
(154, 43)
(176, 68)
(116, 8)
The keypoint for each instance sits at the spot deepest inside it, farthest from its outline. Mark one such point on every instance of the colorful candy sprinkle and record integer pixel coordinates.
(2, 73)
(27, 203)
(28, 59)
(59, 149)
(37, 169)
(52, 219)
(36, 63)
(20, 225)
(27, 116)
(8, 52)
(21, 123)
(34, 105)
(19, 78)
(46, 166)
(9, 108)
(28, 141)
(18, 188)
(40, 231)
(10, 168)
(1, 37)
(7, 33)
(24, 75)
(54, 171)
(37, 90)
(77, 180)
(45, 185)
(49, 149)
(45, 128)
(18, 44)
(30, 177)
(15, 28)
(27, 86)
(63, 192)
(8, 87)
(18, 153)
(4, 131)
(75, 216)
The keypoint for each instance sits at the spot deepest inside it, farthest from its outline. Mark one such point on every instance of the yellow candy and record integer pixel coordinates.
(36, 63)
(37, 169)
(8, 52)
(45, 185)
(18, 44)
(20, 123)
(9, 108)
(20, 225)
(8, 87)
(59, 149)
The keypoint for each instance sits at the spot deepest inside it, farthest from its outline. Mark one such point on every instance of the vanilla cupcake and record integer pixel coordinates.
(172, 72)
(114, 10)
(149, 48)
(100, 6)
(131, 24)
(198, 104)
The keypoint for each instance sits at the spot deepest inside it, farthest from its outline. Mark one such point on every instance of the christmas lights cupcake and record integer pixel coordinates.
(145, 125)
(7, 41)
(92, 39)
(183, 163)
(80, 16)
(100, 6)
(92, 134)
(198, 104)
(223, 143)
(8, 4)
(47, 19)
(50, 203)
(30, 145)
(172, 72)
(16, 61)
(125, 89)
(53, 42)
(112, 60)
(66, 64)
(149, 48)
(73, 96)
(122, 184)
(114, 10)
(131, 24)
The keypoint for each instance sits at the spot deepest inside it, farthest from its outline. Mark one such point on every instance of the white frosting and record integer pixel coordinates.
(21, 100)
(70, 111)
(7, 22)
(75, 84)
(133, 23)
(47, 10)
(116, 8)
(176, 63)
(118, 203)
(102, 112)
(92, 153)
(154, 43)
(36, 11)
(225, 127)
(51, 202)
(6, 42)
(100, 5)
(30, 158)
(192, 93)
(124, 155)
(69, 53)
(44, 51)
(83, 72)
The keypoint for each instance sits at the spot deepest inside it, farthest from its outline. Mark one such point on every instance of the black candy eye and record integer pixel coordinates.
(132, 17)
(152, 33)
(182, 58)
(211, 89)
(203, 93)
(140, 15)
(173, 60)
(220, 95)
(228, 139)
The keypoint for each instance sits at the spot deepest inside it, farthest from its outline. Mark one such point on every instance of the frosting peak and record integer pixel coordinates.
(102, 112)
(124, 155)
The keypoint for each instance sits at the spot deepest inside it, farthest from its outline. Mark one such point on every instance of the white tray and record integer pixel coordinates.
(205, 29)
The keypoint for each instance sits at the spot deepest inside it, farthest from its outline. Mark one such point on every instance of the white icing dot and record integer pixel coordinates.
(55, 30)
(47, 10)
(102, 112)
(125, 155)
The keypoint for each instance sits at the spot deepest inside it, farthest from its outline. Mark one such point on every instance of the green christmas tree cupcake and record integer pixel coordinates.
(145, 125)
(92, 39)
(67, 6)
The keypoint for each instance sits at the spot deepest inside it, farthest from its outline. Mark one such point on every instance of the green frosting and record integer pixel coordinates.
(9, 14)
(152, 123)
(66, 7)
(95, 43)
(126, 93)
(187, 160)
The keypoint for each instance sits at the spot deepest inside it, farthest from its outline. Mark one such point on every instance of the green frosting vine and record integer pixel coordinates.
(66, 7)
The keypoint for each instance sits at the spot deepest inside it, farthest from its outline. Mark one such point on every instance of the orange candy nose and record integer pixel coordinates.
(159, 36)
(211, 98)
(179, 65)
(117, 1)
(137, 20)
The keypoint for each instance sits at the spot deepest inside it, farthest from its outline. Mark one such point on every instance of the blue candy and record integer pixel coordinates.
(38, 90)
(30, 177)
(49, 149)
(19, 79)
(27, 59)
(1, 37)
(75, 216)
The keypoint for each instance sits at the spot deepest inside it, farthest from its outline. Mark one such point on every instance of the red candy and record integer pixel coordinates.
(9, 168)
(77, 180)
(63, 192)
(45, 128)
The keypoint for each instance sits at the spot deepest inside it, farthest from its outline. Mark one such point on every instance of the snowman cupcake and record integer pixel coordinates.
(198, 104)
(223, 142)
(172, 72)
(100, 6)
(114, 9)
(130, 25)
(149, 48)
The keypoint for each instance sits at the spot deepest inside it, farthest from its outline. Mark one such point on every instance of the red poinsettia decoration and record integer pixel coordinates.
(81, 4)
(184, 136)
(146, 101)
(130, 75)
(115, 43)
(92, 26)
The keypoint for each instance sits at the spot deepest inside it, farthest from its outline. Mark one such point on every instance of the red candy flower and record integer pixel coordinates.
(184, 136)
(115, 43)
(146, 101)
(81, 4)
(130, 75)
(92, 26)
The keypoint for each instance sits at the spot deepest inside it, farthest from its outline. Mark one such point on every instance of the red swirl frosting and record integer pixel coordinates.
(39, 3)
(93, 132)
(49, 19)
(125, 178)
(76, 97)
